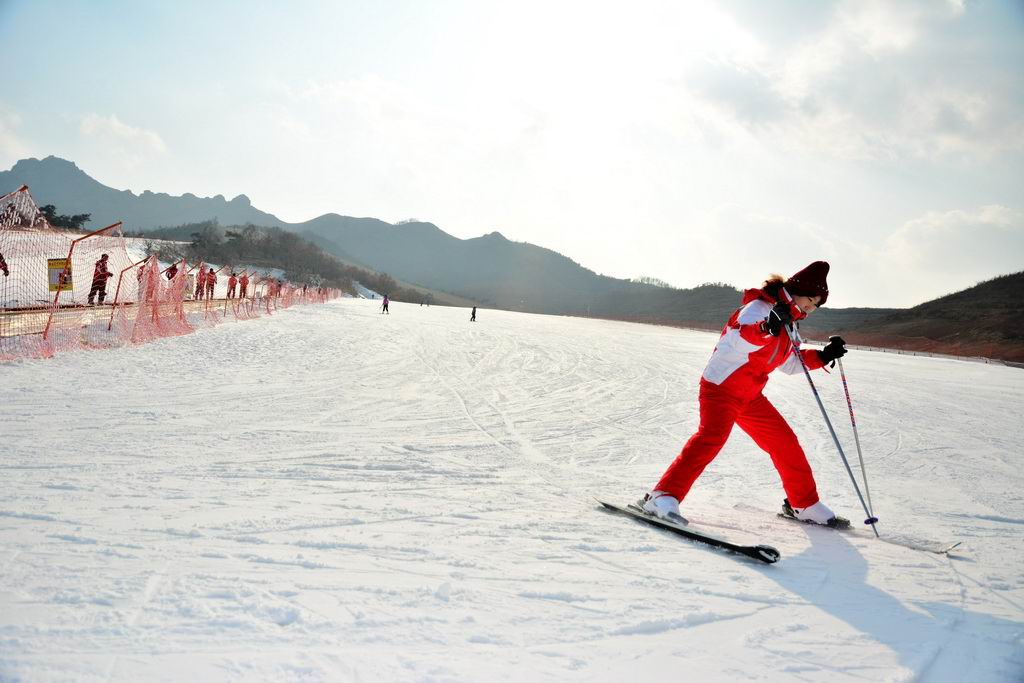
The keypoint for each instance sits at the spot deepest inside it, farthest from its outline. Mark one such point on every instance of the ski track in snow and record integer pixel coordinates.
(334, 494)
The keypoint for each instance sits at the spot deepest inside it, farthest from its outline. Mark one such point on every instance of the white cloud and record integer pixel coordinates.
(877, 81)
(961, 243)
(933, 254)
(956, 248)
(12, 146)
(379, 147)
(128, 144)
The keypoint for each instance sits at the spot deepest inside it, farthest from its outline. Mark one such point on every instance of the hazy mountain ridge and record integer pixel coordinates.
(60, 182)
(986, 320)
(490, 268)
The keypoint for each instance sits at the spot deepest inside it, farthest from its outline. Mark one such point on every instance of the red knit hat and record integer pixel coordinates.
(810, 282)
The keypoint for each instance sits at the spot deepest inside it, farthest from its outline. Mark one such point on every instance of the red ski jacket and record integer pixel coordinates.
(746, 353)
(100, 273)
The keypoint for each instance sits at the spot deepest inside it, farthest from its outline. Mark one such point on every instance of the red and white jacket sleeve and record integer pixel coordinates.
(811, 358)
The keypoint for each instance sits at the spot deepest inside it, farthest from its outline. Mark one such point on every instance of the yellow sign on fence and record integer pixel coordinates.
(59, 270)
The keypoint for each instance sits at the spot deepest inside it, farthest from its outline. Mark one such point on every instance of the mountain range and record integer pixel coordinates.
(499, 273)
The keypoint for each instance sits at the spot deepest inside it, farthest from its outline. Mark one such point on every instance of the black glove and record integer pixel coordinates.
(835, 349)
(779, 317)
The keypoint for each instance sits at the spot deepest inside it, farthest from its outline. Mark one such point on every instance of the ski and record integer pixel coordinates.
(934, 547)
(764, 553)
(924, 546)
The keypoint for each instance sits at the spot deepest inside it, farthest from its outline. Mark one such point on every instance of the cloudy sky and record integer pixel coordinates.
(690, 141)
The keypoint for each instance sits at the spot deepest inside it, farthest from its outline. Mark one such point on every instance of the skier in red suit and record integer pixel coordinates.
(211, 282)
(100, 274)
(753, 343)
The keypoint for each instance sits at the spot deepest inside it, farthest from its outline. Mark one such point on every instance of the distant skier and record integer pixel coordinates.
(384, 306)
(211, 282)
(232, 283)
(100, 274)
(200, 284)
(472, 316)
(243, 283)
(753, 343)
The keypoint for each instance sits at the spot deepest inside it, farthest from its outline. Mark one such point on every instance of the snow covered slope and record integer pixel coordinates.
(335, 494)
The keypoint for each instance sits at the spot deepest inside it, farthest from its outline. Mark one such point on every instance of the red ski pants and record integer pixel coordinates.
(719, 411)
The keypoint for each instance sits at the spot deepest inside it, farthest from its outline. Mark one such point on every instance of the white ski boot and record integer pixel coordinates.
(663, 506)
(819, 513)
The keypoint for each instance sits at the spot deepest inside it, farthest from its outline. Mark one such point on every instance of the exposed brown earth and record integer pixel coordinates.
(984, 321)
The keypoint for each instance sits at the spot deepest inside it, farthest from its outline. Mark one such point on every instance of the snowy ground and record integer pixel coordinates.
(332, 494)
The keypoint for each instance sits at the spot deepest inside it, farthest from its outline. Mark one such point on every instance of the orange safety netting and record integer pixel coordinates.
(158, 306)
(62, 290)
(53, 283)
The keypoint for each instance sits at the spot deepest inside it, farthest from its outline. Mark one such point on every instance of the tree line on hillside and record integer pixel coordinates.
(263, 247)
(68, 222)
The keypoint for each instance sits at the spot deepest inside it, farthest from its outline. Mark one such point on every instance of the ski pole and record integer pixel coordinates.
(807, 373)
(856, 438)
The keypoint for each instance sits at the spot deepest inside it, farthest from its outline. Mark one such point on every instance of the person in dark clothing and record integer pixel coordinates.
(384, 306)
(100, 274)
(211, 282)
(472, 316)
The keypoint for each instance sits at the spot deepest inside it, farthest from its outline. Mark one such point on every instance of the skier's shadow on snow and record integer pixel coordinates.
(925, 635)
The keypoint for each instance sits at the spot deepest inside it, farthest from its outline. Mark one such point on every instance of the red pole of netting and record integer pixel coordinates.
(177, 274)
(41, 305)
(105, 240)
(262, 295)
(120, 280)
(27, 241)
(255, 297)
(211, 294)
(160, 311)
(229, 291)
(197, 289)
(241, 303)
